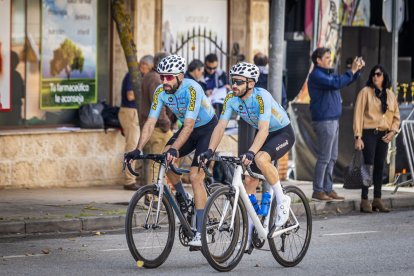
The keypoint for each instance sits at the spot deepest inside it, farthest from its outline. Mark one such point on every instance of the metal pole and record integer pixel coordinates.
(277, 35)
(394, 74)
(315, 25)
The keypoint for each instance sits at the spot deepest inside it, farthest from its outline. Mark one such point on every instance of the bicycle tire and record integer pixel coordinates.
(299, 203)
(133, 227)
(212, 187)
(220, 262)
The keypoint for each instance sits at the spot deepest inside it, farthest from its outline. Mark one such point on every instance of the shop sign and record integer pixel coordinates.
(5, 80)
(68, 53)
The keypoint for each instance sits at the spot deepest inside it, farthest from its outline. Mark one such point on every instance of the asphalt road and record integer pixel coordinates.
(362, 244)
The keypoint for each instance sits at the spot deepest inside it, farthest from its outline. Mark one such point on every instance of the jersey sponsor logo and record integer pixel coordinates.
(205, 104)
(261, 104)
(170, 99)
(228, 97)
(155, 101)
(276, 114)
(191, 106)
(240, 107)
(281, 146)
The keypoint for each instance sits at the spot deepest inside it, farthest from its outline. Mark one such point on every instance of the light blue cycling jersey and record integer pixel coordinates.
(259, 106)
(188, 102)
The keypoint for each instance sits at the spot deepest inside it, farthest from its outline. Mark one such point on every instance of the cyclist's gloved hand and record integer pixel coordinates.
(247, 158)
(204, 157)
(132, 155)
(172, 154)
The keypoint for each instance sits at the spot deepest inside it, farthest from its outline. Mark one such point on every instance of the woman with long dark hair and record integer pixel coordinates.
(376, 122)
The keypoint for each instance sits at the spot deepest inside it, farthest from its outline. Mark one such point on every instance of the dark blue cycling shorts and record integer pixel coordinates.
(277, 144)
(199, 140)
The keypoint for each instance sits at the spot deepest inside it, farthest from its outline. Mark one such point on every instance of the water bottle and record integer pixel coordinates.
(265, 204)
(254, 202)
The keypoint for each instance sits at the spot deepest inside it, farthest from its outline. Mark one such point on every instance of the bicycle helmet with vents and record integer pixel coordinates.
(171, 65)
(245, 69)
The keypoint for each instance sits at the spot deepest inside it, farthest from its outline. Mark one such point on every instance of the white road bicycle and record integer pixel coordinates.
(225, 223)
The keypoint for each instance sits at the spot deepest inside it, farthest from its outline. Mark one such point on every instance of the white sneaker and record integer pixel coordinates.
(196, 240)
(282, 209)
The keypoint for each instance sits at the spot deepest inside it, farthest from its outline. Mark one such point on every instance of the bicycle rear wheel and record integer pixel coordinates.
(289, 248)
(148, 241)
(223, 247)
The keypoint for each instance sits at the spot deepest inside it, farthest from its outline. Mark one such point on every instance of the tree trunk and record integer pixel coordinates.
(122, 20)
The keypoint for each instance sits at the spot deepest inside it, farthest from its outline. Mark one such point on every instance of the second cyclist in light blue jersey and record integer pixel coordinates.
(273, 139)
(259, 106)
(189, 101)
(186, 99)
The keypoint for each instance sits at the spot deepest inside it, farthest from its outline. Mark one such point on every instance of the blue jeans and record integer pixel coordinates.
(327, 133)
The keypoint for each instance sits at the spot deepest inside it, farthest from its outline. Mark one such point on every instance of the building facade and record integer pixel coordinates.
(40, 142)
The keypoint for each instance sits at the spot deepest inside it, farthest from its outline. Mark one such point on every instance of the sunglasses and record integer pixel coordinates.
(237, 82)
(167, 77)
(211, 68)
(378, 74)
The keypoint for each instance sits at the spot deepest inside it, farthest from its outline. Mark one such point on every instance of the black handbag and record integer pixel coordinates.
(358, 175)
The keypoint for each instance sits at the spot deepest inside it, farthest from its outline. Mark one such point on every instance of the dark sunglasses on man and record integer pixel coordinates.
(237, 82)
(210, 68)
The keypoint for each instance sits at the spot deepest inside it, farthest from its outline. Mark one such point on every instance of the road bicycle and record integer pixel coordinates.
(227, 211)
(150, 223)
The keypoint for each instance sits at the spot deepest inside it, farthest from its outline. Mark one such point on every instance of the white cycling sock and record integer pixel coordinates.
(277, 189)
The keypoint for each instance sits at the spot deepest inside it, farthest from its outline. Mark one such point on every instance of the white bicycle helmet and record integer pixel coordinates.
(245, 69)
(172, 65)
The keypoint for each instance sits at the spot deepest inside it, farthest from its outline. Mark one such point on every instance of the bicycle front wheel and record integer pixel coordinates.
(290, 247)
(223, 245)
(149, 240)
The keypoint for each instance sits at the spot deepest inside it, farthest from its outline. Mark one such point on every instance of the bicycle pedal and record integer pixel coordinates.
(194, 248)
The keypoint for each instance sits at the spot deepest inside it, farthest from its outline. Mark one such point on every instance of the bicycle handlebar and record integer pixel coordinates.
(237, 161)
(159, 158)
(205, 169)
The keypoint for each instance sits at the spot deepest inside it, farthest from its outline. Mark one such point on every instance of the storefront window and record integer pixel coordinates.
(26, 78)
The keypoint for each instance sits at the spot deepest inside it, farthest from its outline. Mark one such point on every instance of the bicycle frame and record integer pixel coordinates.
(263, 230)
(160, 187)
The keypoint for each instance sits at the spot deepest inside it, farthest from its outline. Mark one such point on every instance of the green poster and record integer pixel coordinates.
(68, 54)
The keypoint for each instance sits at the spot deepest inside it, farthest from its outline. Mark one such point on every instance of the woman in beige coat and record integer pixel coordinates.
(376, 122)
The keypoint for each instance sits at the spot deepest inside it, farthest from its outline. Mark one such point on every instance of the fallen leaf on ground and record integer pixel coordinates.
(45, 251)
(140, 263)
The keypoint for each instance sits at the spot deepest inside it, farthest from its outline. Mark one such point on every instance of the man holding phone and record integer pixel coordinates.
(326, 109)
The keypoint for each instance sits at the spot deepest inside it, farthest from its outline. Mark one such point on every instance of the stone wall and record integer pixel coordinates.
(50, 158)
(60, 159)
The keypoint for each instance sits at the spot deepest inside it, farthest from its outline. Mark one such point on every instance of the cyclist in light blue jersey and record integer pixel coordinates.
(188, 102)
(259, 106)
(274, 135)
(186, 99)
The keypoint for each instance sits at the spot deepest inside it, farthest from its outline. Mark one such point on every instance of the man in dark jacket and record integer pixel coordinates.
(195, 72)
(326, 108)
(216, 81)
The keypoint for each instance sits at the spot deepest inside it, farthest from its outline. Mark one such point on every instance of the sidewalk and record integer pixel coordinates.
(84, 210)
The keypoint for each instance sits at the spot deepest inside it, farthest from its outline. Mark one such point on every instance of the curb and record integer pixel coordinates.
(22, 228)
(107, 223)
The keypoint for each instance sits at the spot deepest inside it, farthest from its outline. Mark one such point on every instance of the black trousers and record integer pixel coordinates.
(375, 153)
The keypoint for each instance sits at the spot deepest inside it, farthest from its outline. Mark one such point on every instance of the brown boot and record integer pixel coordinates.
(320, 196)
(378, 205)
(365, 206)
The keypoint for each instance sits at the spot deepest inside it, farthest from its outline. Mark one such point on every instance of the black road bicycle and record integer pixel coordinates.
(150, 223)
